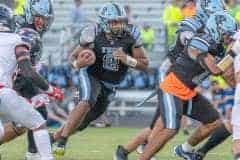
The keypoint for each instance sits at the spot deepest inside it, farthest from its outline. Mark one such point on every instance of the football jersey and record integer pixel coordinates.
(107, 68)
(8, 61)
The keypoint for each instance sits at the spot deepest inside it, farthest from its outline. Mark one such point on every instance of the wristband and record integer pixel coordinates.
(132, 62)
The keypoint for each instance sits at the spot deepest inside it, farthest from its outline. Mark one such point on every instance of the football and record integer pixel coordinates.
(88, 55)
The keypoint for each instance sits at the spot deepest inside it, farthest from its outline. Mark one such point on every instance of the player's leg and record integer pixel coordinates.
(236, 142)
(96, 111)
(236, 125)
(89, 90)
(32, 153)
(140, 139)
(20, 111)
(166, 125)
(217, 137)
(11, 131)
(184, 125)
(203, 111)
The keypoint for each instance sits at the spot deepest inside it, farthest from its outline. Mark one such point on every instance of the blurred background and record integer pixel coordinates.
(158, 20)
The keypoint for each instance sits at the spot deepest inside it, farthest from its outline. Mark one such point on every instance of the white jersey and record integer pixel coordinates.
(236, 107)
(8, 62)
(235, 49)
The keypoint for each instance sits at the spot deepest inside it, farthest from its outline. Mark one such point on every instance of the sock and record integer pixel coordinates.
(31, 144)
(187, 147)
(42, 141)
(62, 141)
(218, 136)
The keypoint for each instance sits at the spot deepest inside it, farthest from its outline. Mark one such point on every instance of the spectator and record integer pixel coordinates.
(19, 7)
(228, 94)
(172, 15)
(235, 10)
(77, 14)
(189, 8)
(128, 10)
(217, 97)
(221, 82)
(148, 36)
(9, 3)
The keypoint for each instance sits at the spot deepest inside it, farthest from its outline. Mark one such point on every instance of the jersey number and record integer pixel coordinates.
(110, 63)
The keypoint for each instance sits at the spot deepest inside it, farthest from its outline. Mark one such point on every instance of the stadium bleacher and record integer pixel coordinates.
(145, 12)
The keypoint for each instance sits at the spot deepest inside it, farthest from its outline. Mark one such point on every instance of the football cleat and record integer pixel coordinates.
(32, 156)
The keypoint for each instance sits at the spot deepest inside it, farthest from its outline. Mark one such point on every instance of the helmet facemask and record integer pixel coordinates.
(42, 23)
(40, 14)
(117, 27)
(113, 20)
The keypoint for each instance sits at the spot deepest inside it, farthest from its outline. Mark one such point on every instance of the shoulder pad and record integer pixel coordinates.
(88, 35)
(191, 24)
(135, 33)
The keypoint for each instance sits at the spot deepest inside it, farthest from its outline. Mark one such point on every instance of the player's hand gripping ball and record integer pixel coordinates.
(85, 58)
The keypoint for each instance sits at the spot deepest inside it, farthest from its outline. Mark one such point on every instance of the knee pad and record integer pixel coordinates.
(236, 132)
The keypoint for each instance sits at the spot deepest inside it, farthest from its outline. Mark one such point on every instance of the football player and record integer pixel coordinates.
(188, 28)
(117, 46)
(14, 107)
(177, 88)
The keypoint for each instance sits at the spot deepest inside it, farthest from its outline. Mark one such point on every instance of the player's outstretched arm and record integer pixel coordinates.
(140, 55)
(138, 60)
(206, 60)
(24, 63)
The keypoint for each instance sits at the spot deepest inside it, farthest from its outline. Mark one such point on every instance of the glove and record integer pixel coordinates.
(55, 93)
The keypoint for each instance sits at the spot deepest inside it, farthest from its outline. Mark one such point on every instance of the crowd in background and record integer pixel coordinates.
(63, 76)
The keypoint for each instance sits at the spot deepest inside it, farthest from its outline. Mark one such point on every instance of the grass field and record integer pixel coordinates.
(100, 144)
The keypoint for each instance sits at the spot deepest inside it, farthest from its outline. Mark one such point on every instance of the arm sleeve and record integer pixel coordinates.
(25, 66)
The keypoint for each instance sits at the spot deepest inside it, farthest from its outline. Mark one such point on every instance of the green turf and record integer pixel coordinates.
(100, 144)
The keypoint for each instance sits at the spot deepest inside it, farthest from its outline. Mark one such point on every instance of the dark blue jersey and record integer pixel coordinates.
(107, 68)
(189, 71)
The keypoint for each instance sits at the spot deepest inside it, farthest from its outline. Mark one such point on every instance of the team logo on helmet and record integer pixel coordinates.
(112, 19)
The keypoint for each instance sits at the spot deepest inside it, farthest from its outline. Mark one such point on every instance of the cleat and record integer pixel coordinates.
(32, 156)
(198, 156)
(182, 154)
(121, 154)
(59, 151)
